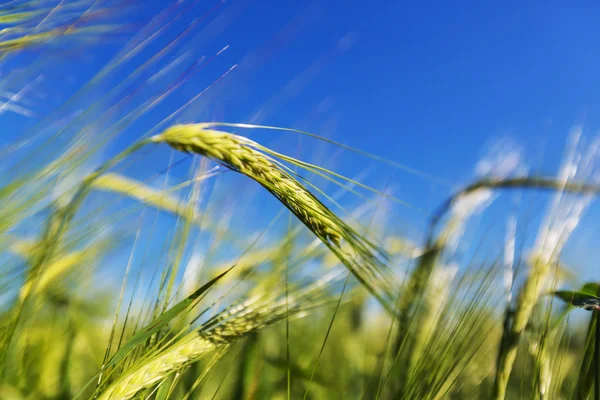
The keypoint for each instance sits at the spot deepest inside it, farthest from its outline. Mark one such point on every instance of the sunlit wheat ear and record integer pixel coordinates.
(242, 155)
(235, 153)
(218, 333)
(190, 348)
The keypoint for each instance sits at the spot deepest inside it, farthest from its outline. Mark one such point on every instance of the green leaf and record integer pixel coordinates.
(579, 299)
(592, 288)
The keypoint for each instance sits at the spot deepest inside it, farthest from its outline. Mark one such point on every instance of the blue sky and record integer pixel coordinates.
(426, 84)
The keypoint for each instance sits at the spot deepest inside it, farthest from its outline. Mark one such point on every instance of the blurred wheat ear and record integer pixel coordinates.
(518, 318)
(23, 29)
(260, 311)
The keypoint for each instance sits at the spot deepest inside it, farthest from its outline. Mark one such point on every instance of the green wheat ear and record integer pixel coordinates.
(237, 155)
(219, 333)
(251, 159)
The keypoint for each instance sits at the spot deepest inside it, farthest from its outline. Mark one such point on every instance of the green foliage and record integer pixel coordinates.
(579, 299)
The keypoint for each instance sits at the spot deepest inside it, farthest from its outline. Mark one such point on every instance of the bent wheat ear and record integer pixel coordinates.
(160, 199)
(188, 349)
(218, 333)
(242, 155)
(234, 152)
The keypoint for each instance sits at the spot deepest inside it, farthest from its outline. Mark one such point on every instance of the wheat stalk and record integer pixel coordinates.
(517, 319)
(541, 359)
(563, 216)
(219, 333)
(242, 155)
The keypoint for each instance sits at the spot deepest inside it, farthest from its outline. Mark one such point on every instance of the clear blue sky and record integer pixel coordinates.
(430, 77)
(427, 84)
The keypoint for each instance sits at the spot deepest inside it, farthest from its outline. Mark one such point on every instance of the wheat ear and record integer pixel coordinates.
(235, 152)
(218, 333)
(243, 155)
(191, 347)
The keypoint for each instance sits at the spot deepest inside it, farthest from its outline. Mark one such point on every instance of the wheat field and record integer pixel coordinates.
(151, 253)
